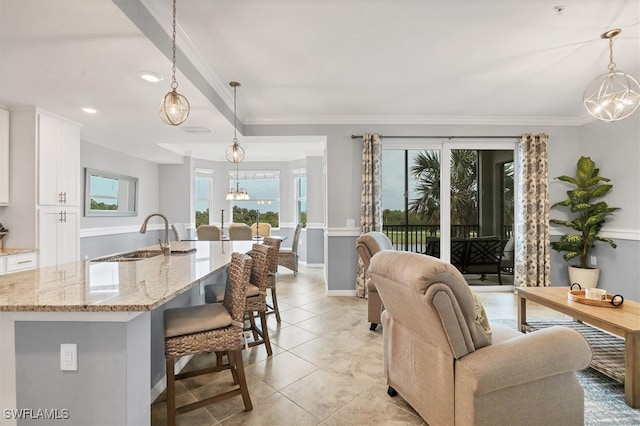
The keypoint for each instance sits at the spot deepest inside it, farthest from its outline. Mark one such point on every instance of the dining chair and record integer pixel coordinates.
(239, 232)
(288, 256)
(180, 231)
(262, 256)
(271, 278)
(262, 229)
(208, 233)
(208, 328)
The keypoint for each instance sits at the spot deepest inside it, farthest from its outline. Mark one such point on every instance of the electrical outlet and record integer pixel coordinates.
(594, 261)
(68, 357)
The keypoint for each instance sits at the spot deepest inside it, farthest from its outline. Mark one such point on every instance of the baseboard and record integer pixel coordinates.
(341, 293)
(314, 265)
(492, 288)
(159, 387)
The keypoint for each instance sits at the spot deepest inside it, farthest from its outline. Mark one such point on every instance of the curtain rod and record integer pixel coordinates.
(442, 137)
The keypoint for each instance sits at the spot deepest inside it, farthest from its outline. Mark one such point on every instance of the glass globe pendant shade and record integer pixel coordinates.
(174, 108)
(612, 96)
(234, 153)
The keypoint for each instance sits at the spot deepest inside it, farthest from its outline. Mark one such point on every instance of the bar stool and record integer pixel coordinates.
(208, 328)
(262, 257)
(273, 272)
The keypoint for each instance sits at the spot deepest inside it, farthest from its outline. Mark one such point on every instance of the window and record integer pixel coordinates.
(300, 185)
(264, 193)
(203, 190)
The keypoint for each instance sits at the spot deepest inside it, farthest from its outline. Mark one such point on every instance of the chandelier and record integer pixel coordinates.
(613, 95)
(174, 108)
(235, 153)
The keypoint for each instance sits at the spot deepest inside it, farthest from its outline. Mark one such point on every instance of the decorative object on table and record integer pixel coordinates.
(595, 297)
(588, 218)
(614, 95)
(174, 108)
(3, 231)
(235, 153)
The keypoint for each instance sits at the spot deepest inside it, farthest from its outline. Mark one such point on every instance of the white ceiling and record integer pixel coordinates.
(306, 62)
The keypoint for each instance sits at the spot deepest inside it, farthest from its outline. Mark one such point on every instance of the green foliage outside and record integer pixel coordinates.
(303, 219)
(202, 218)
(248, 216)
(94, 205)
(464, 187)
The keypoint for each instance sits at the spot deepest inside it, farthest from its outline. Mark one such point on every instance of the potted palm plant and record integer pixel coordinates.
(588, 216)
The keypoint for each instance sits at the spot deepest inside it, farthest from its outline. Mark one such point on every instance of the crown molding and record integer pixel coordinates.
(418, 119)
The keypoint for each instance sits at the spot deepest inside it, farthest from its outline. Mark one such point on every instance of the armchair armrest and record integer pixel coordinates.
(534, 356)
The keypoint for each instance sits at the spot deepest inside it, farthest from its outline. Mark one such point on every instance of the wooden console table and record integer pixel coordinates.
(623, 321)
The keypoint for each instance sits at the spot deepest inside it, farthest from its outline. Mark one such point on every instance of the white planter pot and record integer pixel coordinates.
(587, 278)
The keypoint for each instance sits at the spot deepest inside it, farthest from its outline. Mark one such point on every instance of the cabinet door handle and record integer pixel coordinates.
(24, 261)
(64, 197)
(64, 215)
(60, 197)
(59, 216)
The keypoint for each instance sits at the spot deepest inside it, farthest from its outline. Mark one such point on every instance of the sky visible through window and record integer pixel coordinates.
(393, 179)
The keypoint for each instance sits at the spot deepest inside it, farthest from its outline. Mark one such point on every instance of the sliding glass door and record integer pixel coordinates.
(478, 179)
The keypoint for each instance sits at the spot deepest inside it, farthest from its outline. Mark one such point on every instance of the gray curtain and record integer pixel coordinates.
(532, 258)
(370, 198)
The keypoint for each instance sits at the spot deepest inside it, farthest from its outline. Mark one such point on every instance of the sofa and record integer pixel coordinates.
(482, 255)
(456, 368)
(367, 245)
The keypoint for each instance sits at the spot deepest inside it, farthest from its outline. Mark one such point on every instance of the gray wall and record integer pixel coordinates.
(176, 191)
(147, 172)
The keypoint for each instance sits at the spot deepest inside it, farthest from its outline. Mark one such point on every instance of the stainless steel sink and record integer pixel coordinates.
(131, 256)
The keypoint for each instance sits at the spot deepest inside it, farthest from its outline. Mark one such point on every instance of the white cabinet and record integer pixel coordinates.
(58, 162)
(58, 235)
(19, 262)
(4, 157)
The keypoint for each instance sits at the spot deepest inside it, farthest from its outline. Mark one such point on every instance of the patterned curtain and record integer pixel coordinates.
(370, 199)
(532, 259)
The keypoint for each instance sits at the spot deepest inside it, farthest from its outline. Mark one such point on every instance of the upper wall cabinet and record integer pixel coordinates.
(58, 162)
(4, 157)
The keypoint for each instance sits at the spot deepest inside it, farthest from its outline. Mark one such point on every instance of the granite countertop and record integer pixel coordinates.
(87, 286)
(8, 251)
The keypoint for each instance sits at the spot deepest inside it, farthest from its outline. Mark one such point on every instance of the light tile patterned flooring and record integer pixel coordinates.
(326, 366)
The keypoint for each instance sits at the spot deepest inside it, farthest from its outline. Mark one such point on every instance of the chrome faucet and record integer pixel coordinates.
(166, 248)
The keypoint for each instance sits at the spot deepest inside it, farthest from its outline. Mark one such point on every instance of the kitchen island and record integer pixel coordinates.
(112, 311)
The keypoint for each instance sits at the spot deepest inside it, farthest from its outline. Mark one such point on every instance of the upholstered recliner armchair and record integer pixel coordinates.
(367, 245)
(442, 361)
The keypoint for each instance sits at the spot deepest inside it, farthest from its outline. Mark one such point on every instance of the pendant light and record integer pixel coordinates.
(613, 95)
(235, 153)
(174, 108)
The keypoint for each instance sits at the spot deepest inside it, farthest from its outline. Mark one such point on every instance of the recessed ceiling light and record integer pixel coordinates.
(151, 77)
(90, 110)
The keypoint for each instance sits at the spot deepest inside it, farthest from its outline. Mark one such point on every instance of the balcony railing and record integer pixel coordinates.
(414, 237)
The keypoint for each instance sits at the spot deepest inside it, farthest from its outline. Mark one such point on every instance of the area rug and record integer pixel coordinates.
(603, 397)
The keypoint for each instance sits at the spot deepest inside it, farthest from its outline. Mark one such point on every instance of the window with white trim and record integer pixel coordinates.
(300, 186)
(263, 188)
(203, 196)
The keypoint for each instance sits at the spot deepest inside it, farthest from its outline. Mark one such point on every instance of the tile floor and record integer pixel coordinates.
(326, 367)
